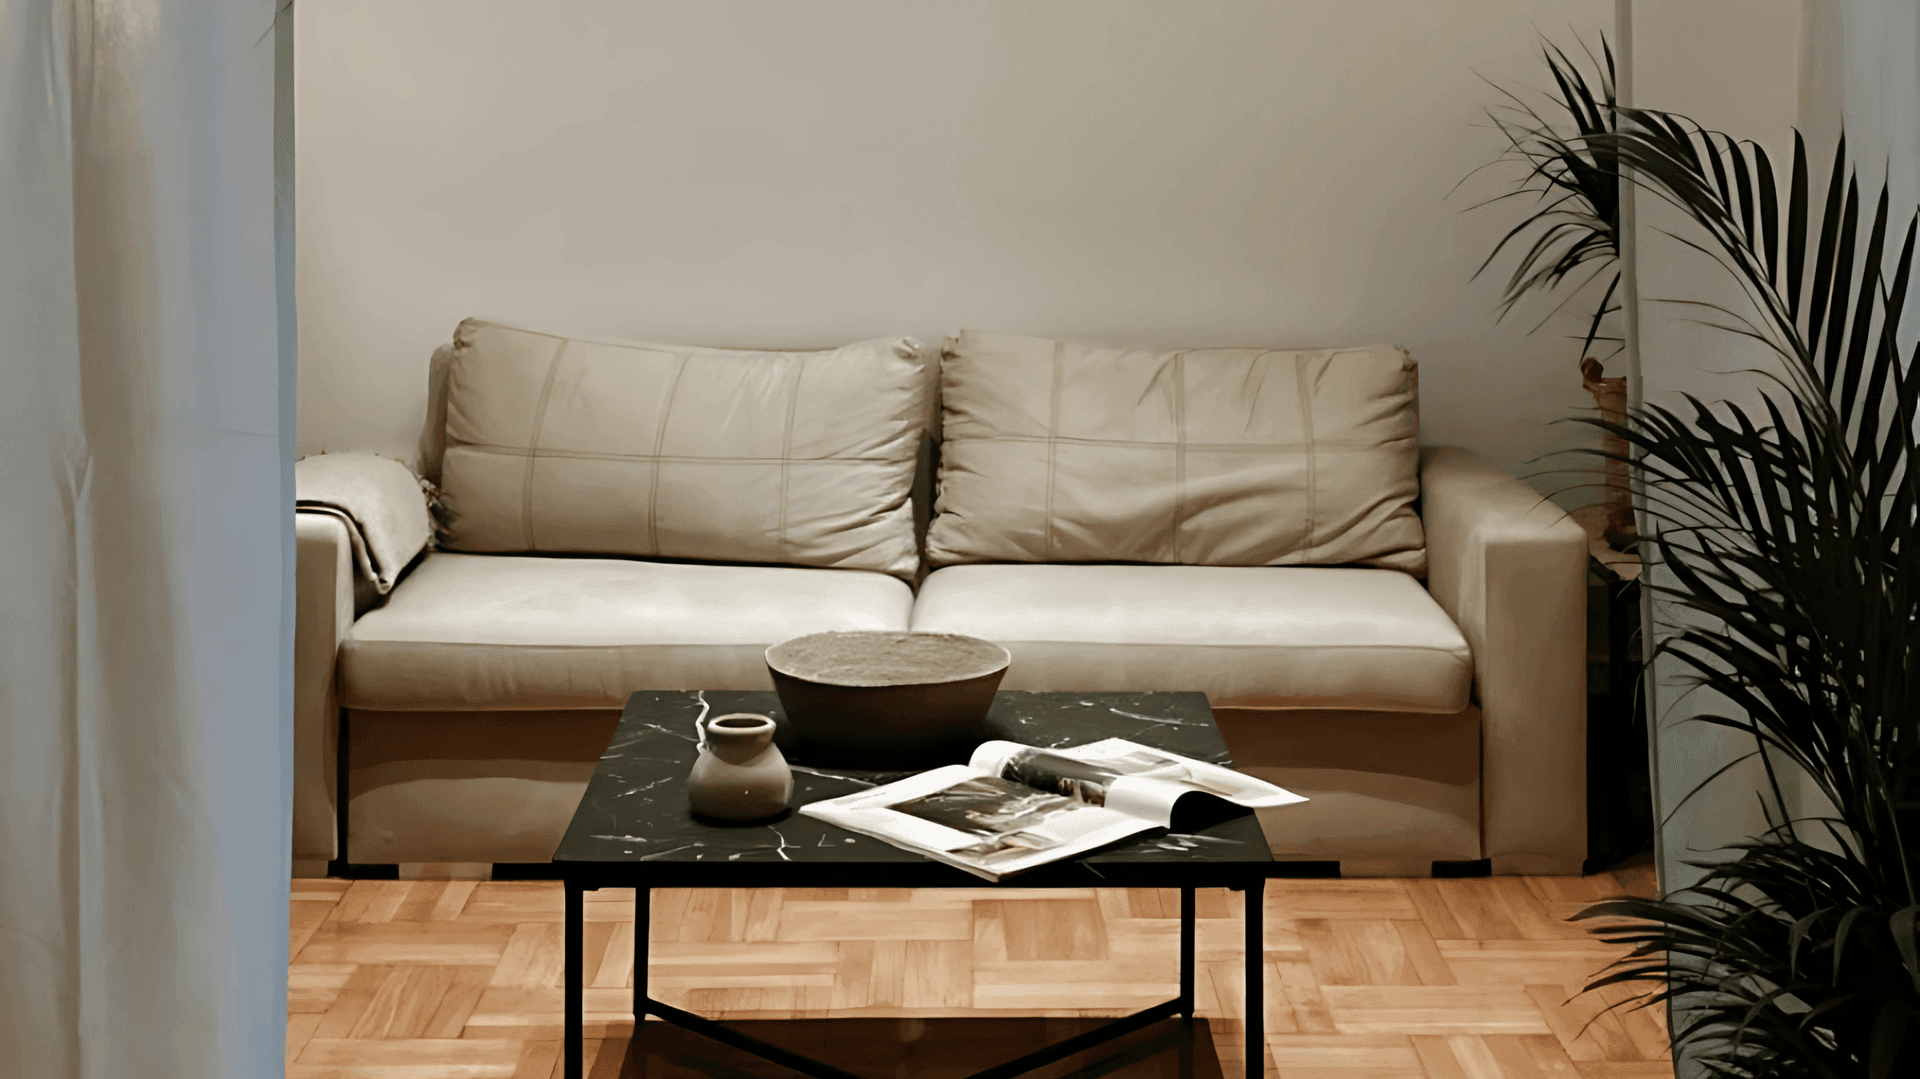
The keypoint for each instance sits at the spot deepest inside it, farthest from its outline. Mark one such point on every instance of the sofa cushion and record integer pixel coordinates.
(1317, 637)
(1060, 452)
(584, 445)
(504, 632)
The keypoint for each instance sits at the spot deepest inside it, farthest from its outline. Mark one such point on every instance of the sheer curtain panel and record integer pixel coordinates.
(145, 522)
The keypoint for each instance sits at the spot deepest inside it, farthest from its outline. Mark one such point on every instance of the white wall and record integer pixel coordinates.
(770, 173)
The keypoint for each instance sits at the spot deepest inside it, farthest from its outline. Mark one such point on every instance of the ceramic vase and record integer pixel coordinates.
(740, 773)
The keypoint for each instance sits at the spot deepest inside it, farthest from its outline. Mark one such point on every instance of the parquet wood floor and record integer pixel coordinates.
(1366, 979)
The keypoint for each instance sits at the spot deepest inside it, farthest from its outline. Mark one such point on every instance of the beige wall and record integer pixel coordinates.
(762, 173)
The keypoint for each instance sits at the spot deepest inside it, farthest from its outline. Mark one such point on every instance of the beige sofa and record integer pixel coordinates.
(583, 557)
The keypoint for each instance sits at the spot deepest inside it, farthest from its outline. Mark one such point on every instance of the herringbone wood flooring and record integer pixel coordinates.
(1366, 979)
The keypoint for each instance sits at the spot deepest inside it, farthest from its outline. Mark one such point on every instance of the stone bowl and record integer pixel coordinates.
(883, 699)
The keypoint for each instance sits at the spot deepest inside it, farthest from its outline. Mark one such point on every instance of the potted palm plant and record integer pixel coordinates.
(1792, 530)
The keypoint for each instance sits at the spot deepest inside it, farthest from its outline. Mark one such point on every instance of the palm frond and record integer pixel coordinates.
(1578, 217)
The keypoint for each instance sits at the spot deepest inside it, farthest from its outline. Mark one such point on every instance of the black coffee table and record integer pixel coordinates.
(633, 830)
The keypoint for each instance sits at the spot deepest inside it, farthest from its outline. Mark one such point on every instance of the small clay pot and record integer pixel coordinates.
(883, 699)
(740, 773)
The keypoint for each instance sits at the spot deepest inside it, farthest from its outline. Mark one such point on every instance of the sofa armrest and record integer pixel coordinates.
(323, 613)
(1510, 569)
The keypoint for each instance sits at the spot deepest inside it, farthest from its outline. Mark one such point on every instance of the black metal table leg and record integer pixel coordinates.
(642, 926)
(342, 792)
(574, 1028)
(1256, 1026)
(1186, 952)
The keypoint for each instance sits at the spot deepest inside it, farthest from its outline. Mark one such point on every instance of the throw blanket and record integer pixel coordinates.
(383, 504)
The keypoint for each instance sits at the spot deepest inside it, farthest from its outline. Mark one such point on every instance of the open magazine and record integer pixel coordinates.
(1014, 807)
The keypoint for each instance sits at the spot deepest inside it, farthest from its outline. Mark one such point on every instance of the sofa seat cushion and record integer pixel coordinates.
(508, 632)
(1316, 637)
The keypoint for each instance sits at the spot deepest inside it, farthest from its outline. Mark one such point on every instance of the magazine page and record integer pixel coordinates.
(1125, 777)
(977, 821)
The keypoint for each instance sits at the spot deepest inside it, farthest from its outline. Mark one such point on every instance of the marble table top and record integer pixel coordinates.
(634, 815)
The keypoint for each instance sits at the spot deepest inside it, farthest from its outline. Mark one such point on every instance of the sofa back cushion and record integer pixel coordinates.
(584, 445)
(1061, 452)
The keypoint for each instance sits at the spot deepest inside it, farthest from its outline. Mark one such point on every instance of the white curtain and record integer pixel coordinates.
(1859, 68)
(145, 517)
(1880, 105)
